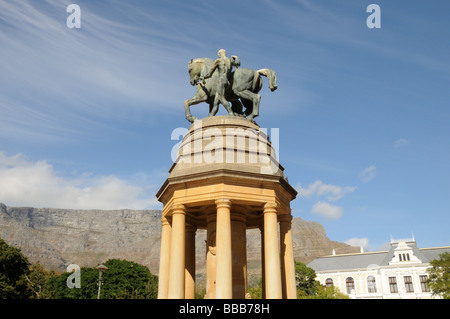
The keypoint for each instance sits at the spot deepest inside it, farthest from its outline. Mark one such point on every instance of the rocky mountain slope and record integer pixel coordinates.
(59, 237)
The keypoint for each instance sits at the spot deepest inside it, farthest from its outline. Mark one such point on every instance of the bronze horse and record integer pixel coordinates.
(244, 85)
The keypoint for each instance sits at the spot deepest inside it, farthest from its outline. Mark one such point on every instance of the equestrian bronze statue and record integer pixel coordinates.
(216, 83)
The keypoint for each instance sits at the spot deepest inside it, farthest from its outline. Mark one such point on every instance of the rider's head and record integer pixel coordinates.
(221, 52)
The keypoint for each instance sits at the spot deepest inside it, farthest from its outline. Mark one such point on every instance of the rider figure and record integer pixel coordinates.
(223, 67)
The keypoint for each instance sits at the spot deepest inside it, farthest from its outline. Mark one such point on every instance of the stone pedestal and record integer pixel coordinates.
(226, 179)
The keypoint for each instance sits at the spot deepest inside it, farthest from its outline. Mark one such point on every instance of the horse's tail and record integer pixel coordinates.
(270, 74)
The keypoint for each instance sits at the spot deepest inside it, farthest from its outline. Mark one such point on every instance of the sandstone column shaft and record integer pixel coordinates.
(272, 253)
(164, 263)
(177, 254)
(224, 270)
(287, 258)
(239, 251)
(190, 263)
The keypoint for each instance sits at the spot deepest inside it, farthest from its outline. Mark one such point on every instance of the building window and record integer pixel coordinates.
(350, 284)
(393, 285)
(371, 284)
(423, 283)
(408, 284)
(400, 257)
(407, 257)
(329, 282)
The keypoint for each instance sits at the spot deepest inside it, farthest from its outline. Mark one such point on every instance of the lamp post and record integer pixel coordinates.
(101, 268)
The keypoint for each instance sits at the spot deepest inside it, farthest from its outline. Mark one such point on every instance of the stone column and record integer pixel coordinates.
(239, 254)
(224, 270)
(164, 262)
(272, 252)
(189, 292)
(287, 258)
(177, 253)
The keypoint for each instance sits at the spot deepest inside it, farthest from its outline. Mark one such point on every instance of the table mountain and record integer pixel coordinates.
(59, 237)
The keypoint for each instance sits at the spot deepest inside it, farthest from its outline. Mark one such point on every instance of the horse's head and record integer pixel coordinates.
(195, 68)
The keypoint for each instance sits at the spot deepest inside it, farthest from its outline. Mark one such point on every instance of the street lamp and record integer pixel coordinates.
(101, 268)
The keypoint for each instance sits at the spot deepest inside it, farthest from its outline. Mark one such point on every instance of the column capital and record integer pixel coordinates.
(178, 209)
(270, 207)
(164, 221)
(284, 218)
(223, 202)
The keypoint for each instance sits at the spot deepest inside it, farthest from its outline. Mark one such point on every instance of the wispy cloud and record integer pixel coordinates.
(27, 183)
(332, 192)
(327, 210)
(56, 76)
(368, 174)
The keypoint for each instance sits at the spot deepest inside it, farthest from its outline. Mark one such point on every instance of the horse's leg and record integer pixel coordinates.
(255, 112)
(195, 100)
(224, 102)
(237, 108)
(255, 98)
(213, 108)
(187, 111)
(248, 107)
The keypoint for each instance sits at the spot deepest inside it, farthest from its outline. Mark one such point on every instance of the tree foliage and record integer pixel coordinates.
(439, 276)
(256, 292)
(122, 280)
(13, 270)
(305, 278)
(309, 288)
(37, 279)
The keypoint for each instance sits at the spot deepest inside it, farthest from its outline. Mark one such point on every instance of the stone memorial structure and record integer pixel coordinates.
(226, 179)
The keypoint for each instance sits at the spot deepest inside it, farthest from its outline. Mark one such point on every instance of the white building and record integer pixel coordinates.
(399, 273)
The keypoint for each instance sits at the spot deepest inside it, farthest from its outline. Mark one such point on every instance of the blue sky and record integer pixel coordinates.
(86, 115)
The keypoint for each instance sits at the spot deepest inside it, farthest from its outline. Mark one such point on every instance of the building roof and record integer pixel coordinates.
(376, 259)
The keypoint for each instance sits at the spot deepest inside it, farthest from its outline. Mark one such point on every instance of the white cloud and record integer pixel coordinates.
(327, 210)
(368, 174)
(318, 188)
(400, 142)
(25, 183)
(359, 242)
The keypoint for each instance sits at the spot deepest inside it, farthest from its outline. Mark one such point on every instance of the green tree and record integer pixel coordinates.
(122, 280)
(322, 292)
(128, 280)
(439, 276)
(13, 270)
(306, 279)
(256, 292)
(37, 281)
(309, 288)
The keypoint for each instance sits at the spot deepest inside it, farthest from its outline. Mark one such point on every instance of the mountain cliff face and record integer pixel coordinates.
(59, 237)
